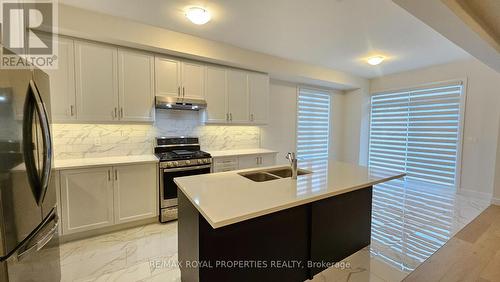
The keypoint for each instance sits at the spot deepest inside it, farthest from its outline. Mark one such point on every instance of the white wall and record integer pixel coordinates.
(482, 116)
(356, 124)
(496, 191)
(281, 131)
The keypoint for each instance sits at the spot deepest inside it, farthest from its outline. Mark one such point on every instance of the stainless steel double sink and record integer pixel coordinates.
(271, 174)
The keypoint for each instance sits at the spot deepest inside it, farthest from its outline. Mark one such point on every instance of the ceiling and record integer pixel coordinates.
(338, 34)
(482, 16)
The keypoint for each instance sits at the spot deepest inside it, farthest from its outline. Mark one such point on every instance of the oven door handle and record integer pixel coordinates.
(187, 168)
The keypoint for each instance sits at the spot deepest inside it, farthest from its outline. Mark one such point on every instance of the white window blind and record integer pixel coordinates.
(313, 124)
(417, 132)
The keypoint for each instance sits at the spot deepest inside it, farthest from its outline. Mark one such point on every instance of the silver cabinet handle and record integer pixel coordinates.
(183, 91)
(121, 112)
(227, 116)
(178, 91)
(109, 175)
(112, 115)
(251, 117)
(115, 112)
(71, 112)
(116, 174)
(231, 116)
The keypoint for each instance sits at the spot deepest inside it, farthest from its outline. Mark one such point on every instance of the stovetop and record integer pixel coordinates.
(179, 148)
(187, 155)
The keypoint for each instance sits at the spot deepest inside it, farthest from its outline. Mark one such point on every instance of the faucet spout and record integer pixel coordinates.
(293, 164)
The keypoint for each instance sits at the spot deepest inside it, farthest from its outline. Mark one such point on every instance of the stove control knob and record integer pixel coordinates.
(169, 164)
(188, 162)
(175, 163)
(200, 161)
(205, 161)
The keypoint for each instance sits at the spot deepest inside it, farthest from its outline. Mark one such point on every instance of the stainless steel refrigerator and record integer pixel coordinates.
(29, 243)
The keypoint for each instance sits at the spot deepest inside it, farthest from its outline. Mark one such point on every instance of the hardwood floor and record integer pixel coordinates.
(473, 254)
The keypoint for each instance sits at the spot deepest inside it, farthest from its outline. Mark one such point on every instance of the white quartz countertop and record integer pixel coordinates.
(240, 152)
(89, 162)
(227, 197)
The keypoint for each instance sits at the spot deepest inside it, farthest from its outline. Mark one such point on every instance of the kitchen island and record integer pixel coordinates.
(232, 228)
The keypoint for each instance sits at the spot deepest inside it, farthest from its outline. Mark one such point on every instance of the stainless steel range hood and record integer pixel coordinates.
(179, 103)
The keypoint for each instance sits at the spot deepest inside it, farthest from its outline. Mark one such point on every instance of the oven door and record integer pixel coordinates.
(168, 188)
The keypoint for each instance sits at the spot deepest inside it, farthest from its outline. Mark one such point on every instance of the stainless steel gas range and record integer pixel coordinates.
(179, 156)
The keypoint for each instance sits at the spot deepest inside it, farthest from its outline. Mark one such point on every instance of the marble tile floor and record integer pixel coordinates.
(410, 222)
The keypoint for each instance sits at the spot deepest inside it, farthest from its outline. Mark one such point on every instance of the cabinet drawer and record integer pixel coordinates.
(225, 164)
(223, 169)
(226, 161)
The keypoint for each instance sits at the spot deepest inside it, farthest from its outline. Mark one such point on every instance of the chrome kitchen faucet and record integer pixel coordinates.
(293, 163)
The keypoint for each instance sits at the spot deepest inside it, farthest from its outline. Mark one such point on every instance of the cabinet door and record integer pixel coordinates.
(86, 199)
(237, 96)
(248, 161)
(193, 80)
(96, 82)
(258, 87)
(268, 159)
(135, 192)
(62, 83)
(216, 95)
(167, 77)
(136, 86)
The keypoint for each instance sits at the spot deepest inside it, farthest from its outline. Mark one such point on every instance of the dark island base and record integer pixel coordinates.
(289, 245)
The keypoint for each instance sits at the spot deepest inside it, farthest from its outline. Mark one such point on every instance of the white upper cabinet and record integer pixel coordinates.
(237, 96)
(101, 83)
(168, 77)
(193, 80)
(216, 95)
(62, 83)
(96, 81)
(136, 86)
(258, 86)
(179, 79)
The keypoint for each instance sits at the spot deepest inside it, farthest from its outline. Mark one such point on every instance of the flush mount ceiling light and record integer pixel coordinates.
(198, 15)
(375, 60)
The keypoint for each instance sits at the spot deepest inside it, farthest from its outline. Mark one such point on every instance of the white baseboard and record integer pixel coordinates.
(475, 194)
(495, 201)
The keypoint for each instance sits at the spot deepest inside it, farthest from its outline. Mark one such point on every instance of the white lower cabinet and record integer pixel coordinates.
(93, 198)
(252, 161)
(225, 164)
(86, 199)
(135, 192)
(221, 164)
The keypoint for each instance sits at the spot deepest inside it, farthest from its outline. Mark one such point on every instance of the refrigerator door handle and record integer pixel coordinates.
(34, 103)
(39, 244)
(52, 216)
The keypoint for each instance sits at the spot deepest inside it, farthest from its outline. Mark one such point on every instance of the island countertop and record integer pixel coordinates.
(226, 198)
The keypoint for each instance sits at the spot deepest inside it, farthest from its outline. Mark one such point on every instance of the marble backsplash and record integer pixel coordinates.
(107, 140)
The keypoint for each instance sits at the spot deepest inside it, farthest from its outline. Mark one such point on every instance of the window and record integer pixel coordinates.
(417, 132)
(313, 124)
